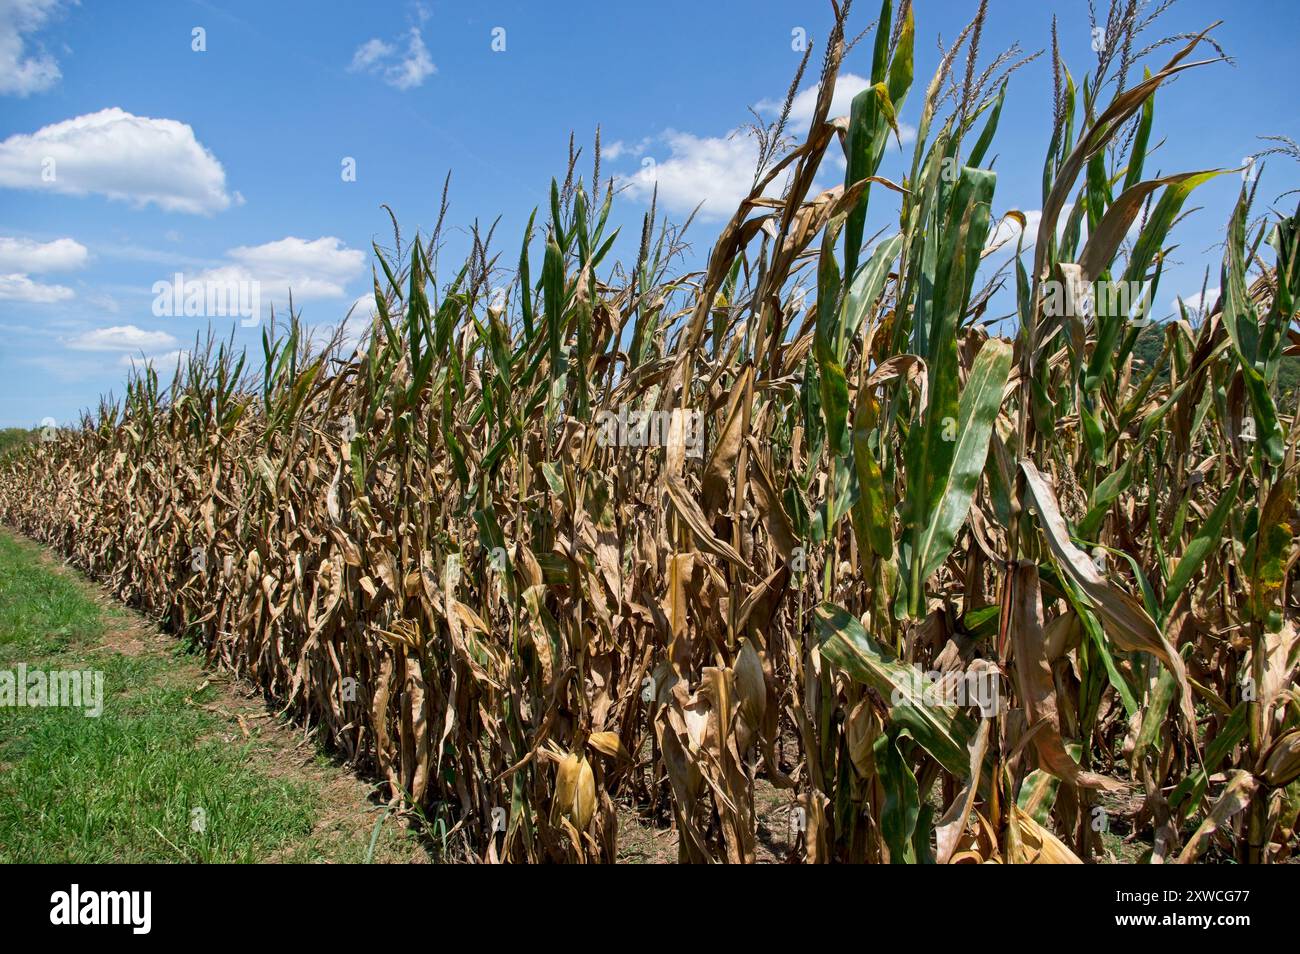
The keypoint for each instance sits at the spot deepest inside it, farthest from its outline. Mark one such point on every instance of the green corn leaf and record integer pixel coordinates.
(553, 292)
(902, 803)
(942, 731)
(951, 496)
(1203, 544)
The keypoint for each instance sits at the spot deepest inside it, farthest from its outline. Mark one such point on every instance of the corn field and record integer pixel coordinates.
(626, 540)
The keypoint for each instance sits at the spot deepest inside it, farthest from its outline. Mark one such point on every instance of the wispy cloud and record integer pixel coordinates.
(24, 71)
(618, 149)
(122, 338)
(401, 68)
(1196, 302)
(162, 362)
(19, 287)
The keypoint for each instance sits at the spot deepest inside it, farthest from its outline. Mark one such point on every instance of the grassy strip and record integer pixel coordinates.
(157, 777)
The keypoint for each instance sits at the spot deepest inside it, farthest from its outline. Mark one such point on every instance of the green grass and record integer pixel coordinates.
(41, 613)
(123, 787)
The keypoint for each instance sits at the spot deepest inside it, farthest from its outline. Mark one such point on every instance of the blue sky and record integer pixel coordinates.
(228, 162)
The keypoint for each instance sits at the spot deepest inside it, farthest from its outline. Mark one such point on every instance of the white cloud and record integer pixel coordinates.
(399, 70)
(315, 269)
(23, 72)
(847, 86)
(718, 170)
(104, 302)
(122, 338)
(356, 325)
(161, 362)
(370, 53)
(1007, 231)
(713, 170)
(140, 253)
(1195, 301)
(18, 287)
(62, 368)
(122, 156)
(618, 148)
(25, 255)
